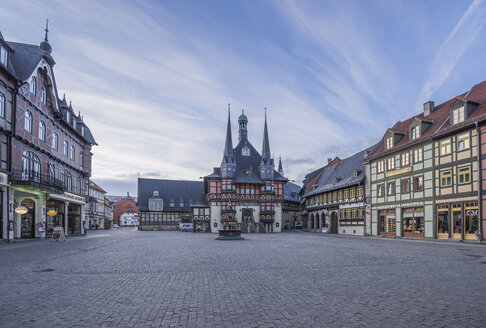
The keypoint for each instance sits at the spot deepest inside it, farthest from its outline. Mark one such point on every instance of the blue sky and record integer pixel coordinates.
(153, 78)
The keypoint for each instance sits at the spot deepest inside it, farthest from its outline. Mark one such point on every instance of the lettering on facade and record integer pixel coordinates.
(472, 212)
(397, 172)
(399, 205)
(351, 205)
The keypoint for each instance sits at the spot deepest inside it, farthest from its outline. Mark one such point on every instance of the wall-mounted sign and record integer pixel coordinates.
(391, 206)
(397, 172)
(3, 179)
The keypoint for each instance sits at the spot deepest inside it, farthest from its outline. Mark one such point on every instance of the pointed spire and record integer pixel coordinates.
(47, 29)
(228, 145)
(280, 168)
(44, 45)
(266, 157)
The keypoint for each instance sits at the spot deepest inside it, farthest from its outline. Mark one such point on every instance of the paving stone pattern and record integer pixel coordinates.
(129, 278)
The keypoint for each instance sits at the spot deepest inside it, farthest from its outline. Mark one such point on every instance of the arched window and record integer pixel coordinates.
(28, 121)
(42, 131)
(55, 141)
(43, 95)
(31, 166)
(66, 148)
(78, 185)
(33, 85)
(73, 152)
(2, 105)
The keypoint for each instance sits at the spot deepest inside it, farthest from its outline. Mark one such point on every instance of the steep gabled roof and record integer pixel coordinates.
(341, 174)
(438, 120)
(26, 57)
(93, 185)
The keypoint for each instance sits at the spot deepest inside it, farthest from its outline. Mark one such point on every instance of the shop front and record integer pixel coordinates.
(387, 223)
(69, 212)
(3, 206)
(459, 220)
(413, 222)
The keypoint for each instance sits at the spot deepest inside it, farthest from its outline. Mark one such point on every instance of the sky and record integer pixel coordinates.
(153, 78)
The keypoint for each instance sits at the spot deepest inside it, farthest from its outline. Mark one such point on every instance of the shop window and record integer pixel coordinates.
(405, 159)
(390, 188)
(443, 221)
(413, 222)
(381, 190)
(417, 155)
(390, 164)
(418, 183)
(471, 224)
(445, 147)
(381, 166)
(456, 220)
(446, 178)
(405, 186)
(463, 141)
(464, 175)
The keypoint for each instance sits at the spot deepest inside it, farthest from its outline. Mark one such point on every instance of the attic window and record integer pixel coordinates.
(415, 133)
(156, 193)
(33, 85)
(336, 180)
(458, 115)
(356, 173)
(389, 142)
(43, 95)
(181, 203)
(172, 203)
(3, 56)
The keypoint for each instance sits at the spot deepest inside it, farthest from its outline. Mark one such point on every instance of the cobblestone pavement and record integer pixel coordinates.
(128, 278)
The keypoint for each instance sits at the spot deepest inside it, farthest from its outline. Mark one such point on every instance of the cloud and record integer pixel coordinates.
(469, 26)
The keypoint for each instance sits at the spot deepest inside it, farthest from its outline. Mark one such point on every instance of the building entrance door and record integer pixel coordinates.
(27, 220)
(334, 223)
(248, 219)
(442, 221)
(386, 223)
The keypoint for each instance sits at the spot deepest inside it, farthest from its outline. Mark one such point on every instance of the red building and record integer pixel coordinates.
(123, 206)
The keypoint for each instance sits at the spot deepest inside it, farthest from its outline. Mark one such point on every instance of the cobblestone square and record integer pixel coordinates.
(128, 278)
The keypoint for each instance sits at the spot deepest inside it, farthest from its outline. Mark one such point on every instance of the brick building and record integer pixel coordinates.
(49, 147)
(123, 206)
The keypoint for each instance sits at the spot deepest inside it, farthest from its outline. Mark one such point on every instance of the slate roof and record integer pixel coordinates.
(191, 192)
(439, 120)
(291, 192)
(65, 108)
(95, 186)
(343, 171)
(26, 57)
(247, 167)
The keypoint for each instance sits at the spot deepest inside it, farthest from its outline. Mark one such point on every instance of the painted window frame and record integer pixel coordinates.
(380, 166)
(405, 159)
(42, 131)
(466, 171)
(389, 142)
(403, 183)
(380, 190)
(458, 115)
(390, 163)
(465, 138)
(3, 101)
(445, 174)
(418, 155)
(416, 183)
(390, 188)
(28, 121)
(445, 147)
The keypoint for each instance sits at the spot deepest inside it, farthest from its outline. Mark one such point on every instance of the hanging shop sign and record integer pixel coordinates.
(3, 179)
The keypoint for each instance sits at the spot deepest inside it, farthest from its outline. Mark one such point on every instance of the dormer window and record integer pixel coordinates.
(356, 173)
(181, 203)
(74, 124)
(389, 142)
(415, 132)
(458, 115)
(68, 117)
(172, 203)
(156, 193)
(3, 56)
(33, 85)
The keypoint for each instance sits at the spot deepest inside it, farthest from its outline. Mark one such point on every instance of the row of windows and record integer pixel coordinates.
(341, 194)
(404, 160)
(352, 213)
(31, 169)
(418, 185)
(67, 151)
(462, 143)
(463, 176)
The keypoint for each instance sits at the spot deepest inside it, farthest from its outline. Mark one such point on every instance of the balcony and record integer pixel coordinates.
(34, 179)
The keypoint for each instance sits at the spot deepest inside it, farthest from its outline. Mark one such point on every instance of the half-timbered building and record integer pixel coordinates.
(246, 189)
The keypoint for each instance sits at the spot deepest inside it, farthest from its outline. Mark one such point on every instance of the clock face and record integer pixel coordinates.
(245, 151)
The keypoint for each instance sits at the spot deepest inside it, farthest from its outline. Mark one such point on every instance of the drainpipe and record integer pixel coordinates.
(480, 184)
(10, 150)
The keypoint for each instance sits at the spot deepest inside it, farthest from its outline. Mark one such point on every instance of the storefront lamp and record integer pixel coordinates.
(21, 210)
(51, 212)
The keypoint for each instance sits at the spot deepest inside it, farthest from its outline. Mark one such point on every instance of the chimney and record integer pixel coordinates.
(329, 160)
(428, 107)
